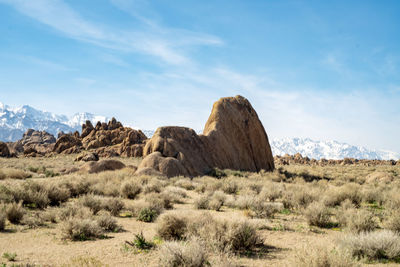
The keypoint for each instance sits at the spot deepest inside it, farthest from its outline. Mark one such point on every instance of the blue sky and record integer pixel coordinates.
(319, 69)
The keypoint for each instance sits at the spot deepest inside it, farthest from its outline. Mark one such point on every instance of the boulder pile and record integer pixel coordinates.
(34, 143)
(106, 139)
(233, 138)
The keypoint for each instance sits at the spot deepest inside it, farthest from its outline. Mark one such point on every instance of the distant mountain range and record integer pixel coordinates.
(327, 149)
(15, 121)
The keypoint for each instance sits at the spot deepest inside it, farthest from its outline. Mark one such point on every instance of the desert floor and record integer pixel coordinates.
(285, 226)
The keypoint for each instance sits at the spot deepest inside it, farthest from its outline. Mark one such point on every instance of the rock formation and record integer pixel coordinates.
(4, 151)
(106, 140)
(34, 143)
(233, 138)
(67, 144)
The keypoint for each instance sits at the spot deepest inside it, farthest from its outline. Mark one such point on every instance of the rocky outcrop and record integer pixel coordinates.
(67, 144)
(34, 143)
(4, 151)
(91, 156)
(113, 139)
(233, 138)
(106, 140)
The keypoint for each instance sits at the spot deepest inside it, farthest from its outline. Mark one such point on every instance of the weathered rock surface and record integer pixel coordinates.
(34, 143)
(67, 144)
(4, 151)
(106, 140)
(233, 138)
(91, 156)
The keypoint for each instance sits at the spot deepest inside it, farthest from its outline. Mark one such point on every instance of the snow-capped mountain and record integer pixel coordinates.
(327, 149)
(15, 121)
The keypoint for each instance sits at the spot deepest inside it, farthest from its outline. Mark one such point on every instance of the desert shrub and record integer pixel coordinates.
(10, 256)
(50, 215)
(222, 235)
(335, 196)
(201, 203)
(242, 236)
(3, 217)
(15, 212)
(256, 187)
(159, 201)
(264, 209)
(57, 194)
(271, 192)
(140, 242)
(108, 223)
(317, 214)
(31, 193)
(32, 220)
(372, 195)
(171, 226)
(188, 254)
(2, 175)
(77, 211)
(244, 201)
(320, 256)
(113, 205)
(130, 189)
(217, 200)
(374, 245)
(81, 229)
(76, 186)
(147, 215)
(185, 183)
(153, 185)
(93, 202)
(230, 186)
(6, 194)
(16, 174)
(392, 200)
(217, 173)
(176, 194)
(299, 196)
(393, 221)
(360, 221)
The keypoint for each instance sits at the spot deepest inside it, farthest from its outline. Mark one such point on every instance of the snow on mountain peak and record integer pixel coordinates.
(327, 149)
(15, 121)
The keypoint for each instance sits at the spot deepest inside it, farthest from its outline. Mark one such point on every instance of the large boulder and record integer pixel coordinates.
(4, 151)
(233, 138)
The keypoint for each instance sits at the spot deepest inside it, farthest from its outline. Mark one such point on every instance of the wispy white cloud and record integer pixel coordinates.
(164, 43)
